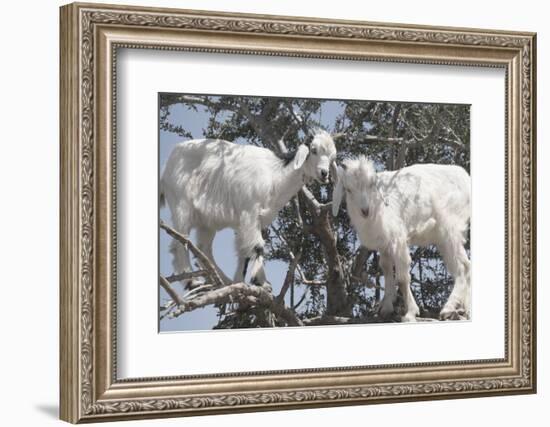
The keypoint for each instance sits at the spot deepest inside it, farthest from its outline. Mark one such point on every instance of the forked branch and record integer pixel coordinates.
(208, 266)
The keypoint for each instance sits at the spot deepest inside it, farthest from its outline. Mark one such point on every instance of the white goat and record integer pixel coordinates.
(423, 204)
(211, 184)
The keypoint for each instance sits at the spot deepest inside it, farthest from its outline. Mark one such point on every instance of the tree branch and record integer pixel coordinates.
(240, 292)
(187, 275)
(201, 257)
(375, 138)
(360, 261)
(299, 121)
(166, 286)
(260, 123)
(300, 301)
(289, 278)
(314, 204)
(393, 131)
(328, 320)
(296, 203)
(303, 278)
(321, 226)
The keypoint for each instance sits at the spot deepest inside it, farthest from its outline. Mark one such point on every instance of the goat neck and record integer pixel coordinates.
(286, 186)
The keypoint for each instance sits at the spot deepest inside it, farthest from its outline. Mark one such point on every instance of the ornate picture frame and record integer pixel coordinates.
(90, 37)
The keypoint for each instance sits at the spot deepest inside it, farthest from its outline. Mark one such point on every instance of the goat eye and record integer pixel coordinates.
(348, 190)
(314, 151)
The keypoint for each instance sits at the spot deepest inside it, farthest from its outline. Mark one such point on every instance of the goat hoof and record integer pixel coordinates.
(190, 284)
(408, 318)
(256, 281)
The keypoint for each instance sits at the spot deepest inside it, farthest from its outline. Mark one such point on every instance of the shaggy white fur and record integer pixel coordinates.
(211, 184)
(421, 205)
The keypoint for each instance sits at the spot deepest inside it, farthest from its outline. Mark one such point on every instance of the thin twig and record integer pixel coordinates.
(168, 309)
(187, 275)
(289, 275)
(196, 290)
(300, 301)
(313, 282)
(374, 138)
(297, 268)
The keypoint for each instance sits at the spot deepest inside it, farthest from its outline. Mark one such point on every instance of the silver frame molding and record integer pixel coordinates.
(90, 37)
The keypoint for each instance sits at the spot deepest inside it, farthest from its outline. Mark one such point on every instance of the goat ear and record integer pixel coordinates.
(301, 156)
(338, 192)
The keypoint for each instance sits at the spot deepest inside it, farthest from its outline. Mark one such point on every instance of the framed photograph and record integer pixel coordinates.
(268, 212)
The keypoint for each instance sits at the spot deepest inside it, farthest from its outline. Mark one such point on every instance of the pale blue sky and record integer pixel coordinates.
(224, 253)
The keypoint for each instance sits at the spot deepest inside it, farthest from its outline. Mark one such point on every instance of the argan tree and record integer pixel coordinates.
(330, 278)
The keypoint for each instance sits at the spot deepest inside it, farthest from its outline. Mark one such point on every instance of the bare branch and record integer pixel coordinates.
(313, 282)
(300, 301)
(322, 227)
(240, 292)
(375, 138)
(314, 204)
(311, 200)
(196, 290)
(187, 275)
(295, 259)
(166, 286)
(204, 101)
(201, 257)
(393, 130)
(327, 320)
(168, 309)
(297, 268)
(360, 261)
(296, 204)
